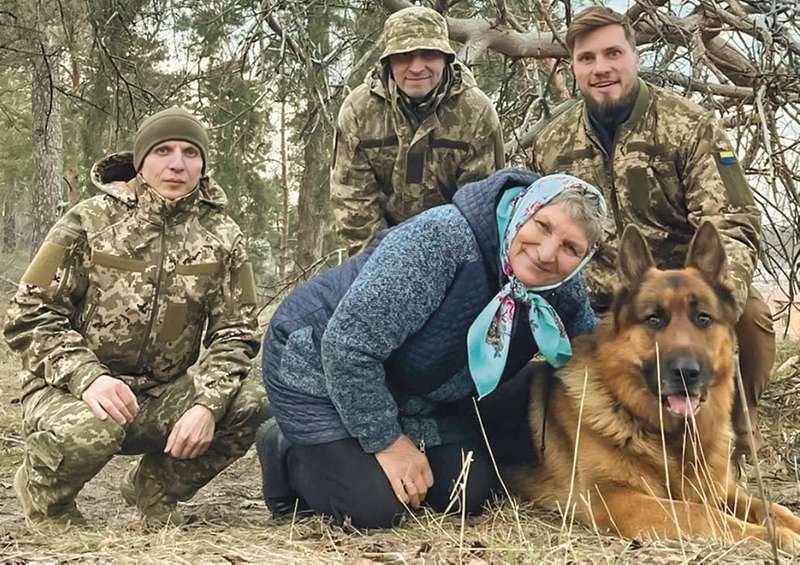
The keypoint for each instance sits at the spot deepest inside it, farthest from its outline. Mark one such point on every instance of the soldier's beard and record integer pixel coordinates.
(608, 110)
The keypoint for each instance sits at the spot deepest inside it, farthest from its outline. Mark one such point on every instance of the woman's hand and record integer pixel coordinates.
(408, 471)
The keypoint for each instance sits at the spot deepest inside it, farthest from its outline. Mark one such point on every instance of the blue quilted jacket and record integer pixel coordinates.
(377, 346)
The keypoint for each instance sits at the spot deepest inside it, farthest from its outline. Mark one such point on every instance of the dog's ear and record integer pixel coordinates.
(706, 253)
(634, 257)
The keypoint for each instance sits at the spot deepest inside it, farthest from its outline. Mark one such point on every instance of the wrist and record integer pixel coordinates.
(202, 408)
(378, 445)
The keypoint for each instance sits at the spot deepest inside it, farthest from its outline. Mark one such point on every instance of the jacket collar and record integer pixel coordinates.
(115, 175)
(639, 110)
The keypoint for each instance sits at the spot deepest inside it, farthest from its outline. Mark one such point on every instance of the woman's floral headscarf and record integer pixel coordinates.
(490, 333)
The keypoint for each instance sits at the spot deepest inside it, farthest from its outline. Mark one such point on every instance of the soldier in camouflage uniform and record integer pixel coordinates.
(416, 130)
(665, 165)
(109, 320)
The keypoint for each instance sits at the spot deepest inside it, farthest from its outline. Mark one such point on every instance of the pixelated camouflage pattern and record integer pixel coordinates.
(66, 445)
(384, 171)
(666, 177)
(415, 27)
(142, 283)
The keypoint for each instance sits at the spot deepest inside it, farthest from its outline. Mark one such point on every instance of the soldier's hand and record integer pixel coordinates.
(108, 396)
(407, 469)
(192, 433)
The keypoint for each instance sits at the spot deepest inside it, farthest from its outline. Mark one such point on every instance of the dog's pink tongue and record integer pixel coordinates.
(682, 405)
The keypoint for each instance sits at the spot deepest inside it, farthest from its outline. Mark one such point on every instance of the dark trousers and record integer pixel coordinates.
(342, 480)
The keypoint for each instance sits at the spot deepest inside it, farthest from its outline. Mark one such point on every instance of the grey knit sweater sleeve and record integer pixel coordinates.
(400, 286)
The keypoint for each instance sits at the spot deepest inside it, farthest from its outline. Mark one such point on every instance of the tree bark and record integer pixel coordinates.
(314, 194)
(284, 259)
(9, 222)
(47, 144)
(314, 189)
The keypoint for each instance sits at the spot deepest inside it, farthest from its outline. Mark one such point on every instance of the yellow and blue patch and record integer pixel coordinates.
(727, 158)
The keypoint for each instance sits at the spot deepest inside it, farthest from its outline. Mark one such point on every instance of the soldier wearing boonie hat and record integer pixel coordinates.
(415, 28)
(415, 131)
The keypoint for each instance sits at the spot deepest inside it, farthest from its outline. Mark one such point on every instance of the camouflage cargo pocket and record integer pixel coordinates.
(639, 189)
(44, 449)
(654, 192)
(174, 321)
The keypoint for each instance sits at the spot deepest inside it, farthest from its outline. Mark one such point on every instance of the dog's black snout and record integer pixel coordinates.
(685, 368)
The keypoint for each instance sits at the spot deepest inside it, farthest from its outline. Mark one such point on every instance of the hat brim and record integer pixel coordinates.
(428, 44)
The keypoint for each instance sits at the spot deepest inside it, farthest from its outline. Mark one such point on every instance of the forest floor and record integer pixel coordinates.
(231, 524)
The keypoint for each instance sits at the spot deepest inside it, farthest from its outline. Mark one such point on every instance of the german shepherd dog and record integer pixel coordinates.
(635, 430)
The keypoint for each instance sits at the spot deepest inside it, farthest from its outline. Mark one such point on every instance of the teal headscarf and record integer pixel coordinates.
(490, 333)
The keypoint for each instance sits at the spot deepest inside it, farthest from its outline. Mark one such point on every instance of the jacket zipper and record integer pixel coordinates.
(89, 315)
(608, 169)
(609, 166)
(156, 292)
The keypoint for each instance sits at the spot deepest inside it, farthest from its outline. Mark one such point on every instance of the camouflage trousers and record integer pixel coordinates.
(756, 337)
(66, 444)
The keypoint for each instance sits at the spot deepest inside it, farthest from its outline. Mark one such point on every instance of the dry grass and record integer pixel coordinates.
(231, 524)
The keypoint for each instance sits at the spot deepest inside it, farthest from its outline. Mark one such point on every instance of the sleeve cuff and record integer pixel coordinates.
(81, 380)
(217, 407)
(374, 444)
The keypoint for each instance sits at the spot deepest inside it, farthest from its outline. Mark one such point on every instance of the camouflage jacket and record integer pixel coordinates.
(384, 171)
(672, 166)
(125, 285)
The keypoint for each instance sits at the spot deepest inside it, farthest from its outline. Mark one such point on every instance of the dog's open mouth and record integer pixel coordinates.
(681, 405)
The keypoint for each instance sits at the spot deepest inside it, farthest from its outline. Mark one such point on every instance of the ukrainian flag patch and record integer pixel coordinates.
(727, 158)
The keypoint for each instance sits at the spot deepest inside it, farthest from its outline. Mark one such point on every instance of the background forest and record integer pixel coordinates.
(77, 76)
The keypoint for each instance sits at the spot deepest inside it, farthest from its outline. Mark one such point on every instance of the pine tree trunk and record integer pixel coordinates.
(47, 143)
(313, 202)
(9, 223)
(284, 260)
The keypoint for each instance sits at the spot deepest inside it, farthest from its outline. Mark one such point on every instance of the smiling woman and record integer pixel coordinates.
(555, 240)
(371, 367)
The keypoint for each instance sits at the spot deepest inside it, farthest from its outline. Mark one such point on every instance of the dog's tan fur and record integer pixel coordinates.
(620, 484)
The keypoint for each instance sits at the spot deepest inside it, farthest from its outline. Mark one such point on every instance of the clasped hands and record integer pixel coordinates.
(407, 469)
(190, 436)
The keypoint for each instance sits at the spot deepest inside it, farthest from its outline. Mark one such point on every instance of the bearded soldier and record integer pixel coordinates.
(665, 165)
(416, 130)
(109, 320)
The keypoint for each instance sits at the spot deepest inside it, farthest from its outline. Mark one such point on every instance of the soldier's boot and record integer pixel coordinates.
(67, 513)
(756, 339)
(272, 448)
(157, 508)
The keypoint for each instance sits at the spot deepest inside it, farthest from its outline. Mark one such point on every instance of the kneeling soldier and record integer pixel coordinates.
(109, 320)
